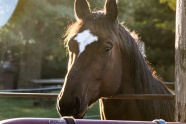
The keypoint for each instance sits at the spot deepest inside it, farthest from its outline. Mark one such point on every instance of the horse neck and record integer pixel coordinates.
(138, 79)
(126, 86)
(133, 83)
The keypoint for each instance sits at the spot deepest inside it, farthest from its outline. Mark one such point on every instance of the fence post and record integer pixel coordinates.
(180, 61)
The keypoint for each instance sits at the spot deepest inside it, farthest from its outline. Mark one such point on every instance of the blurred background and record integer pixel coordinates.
(31, 42)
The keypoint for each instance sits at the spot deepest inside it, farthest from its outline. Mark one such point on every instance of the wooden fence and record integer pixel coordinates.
(21, 92)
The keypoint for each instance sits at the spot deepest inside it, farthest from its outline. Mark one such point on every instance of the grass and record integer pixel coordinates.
(23, 107)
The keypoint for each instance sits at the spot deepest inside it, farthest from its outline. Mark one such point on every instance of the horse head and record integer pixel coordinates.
(95, 65)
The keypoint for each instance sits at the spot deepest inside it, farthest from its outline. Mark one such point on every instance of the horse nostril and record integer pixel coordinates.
(69, 107)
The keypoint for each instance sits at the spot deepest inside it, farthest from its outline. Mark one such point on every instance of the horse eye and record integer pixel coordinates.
(107, 49)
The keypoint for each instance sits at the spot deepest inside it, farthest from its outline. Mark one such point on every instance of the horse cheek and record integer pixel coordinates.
(113, 74)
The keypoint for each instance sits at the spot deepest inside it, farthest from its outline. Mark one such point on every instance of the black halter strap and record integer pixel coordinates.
(69, 120)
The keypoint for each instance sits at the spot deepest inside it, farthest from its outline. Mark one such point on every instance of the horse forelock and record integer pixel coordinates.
(96, 22)
(72, 31)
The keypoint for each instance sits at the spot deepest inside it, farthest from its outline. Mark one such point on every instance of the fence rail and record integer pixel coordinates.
(143, 96)
(33, 89)
(28, 95)
(21, 92)
(119, 96)
(76, 121)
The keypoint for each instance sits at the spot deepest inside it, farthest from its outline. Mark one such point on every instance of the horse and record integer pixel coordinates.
(104, 60)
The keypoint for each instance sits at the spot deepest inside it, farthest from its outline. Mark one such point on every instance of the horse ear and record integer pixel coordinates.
(111, 9)
(81, 9)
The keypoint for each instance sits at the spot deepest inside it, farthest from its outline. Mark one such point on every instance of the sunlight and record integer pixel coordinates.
(7, 8)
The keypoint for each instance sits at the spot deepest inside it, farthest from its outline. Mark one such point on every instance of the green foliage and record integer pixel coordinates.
(45, 21)
(42, 22)
(170, 3)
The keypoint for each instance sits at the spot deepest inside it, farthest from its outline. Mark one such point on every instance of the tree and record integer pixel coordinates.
(180, 58)
(34, 33)
(156, 29)
(40, 23)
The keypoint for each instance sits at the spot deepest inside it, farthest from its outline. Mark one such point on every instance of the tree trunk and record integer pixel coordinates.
(180, 61)
(31, 60)
(30, 66)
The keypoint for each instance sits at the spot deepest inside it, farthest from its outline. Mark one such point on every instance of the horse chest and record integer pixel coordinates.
(119, 110)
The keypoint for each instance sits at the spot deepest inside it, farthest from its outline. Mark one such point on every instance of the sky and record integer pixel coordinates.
(7, 8)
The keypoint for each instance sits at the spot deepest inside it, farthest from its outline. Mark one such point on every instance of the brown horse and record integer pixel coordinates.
(104, 60)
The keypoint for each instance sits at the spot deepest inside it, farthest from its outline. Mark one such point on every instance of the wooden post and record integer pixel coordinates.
(180, 61)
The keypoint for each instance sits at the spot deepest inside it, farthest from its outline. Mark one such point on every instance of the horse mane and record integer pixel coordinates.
(147, 77)
(144, 79)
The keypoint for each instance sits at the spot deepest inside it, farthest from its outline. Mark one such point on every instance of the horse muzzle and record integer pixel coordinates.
(71, 107)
